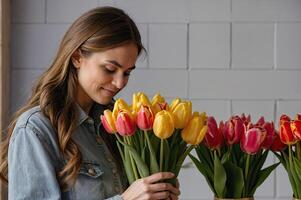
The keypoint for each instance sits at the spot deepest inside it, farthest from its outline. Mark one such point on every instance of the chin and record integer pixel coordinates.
(104, 100)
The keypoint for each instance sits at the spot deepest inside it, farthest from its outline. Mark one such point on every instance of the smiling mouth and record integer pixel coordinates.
(111, 92)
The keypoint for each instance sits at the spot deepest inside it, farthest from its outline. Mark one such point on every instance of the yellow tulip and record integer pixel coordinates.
(196, 129)
(182, 113)
(120, 104)
(158, 103)
(174, 103)
(140, 99)
(163, 126)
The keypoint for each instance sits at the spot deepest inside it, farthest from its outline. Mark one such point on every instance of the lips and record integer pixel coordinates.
(109, 91)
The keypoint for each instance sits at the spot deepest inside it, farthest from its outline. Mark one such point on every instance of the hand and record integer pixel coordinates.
(175, 196)
(149, 188)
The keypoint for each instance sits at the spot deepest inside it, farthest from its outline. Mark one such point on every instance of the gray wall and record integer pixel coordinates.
(227, 56)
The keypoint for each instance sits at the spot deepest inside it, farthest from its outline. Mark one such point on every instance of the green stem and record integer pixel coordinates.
(290, 158)
(161, 155)
(247, 172)
(134, 168)
(298, 151)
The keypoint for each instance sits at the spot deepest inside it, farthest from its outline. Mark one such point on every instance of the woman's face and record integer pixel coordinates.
(102, 75)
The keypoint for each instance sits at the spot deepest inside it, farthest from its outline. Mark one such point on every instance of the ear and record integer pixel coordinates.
(76, 59)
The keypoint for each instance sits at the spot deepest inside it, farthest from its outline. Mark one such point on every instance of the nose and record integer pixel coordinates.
(119, 81)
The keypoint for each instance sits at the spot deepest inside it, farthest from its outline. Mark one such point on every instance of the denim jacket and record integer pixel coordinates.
(34, 160)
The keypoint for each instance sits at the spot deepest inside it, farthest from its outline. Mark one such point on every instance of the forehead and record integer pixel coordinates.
(125, 54)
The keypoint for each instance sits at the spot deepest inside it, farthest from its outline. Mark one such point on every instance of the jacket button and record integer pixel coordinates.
(91, 171)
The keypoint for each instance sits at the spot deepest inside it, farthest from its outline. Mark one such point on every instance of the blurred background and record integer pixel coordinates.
(226, 56)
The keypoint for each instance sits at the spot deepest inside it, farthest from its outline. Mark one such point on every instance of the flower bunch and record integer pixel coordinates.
(288, 150)
(153, 136)
(232, 155)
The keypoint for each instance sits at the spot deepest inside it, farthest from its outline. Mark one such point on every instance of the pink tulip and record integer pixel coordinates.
(251, 141)
(233, 130)
(125, 123)
(214, 135)
(145, 118)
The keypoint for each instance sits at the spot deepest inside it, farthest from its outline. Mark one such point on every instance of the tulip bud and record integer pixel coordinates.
(145, 118)
(196, 129)
(182, 114)
(270, 130)
(246, 120)
(108, 121)
(285, 133)
(296, 129)
(140, 99)
(252, 139)
(214, 135)
(158, 104)
(120, 104)
(277, 145)
(125, 123)
(233, 130)
(163, 126)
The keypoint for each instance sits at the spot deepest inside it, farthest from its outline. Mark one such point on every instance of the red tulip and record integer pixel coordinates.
(285, 133)
(246, 120)
(125, 123)
(277, 145)
(145, 118)
(260, 121)
(270, 130)
(214, 135)
(284, 118)
(296, 129)
(251, 140)
(233, 130)
(298, 117)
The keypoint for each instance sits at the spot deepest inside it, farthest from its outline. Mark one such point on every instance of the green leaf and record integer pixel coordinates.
(235, 180)
(154, 167)
(262, 176)
(297, 166)
(204, 155)
(142, 167)
(294, 177)
(181, 160)
(220, 177)
(128, 166)
(203, 168)
(120, 150)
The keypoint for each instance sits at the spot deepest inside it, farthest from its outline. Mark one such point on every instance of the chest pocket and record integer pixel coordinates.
(90, 182)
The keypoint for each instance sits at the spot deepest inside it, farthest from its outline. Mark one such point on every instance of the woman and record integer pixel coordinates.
(56, 147)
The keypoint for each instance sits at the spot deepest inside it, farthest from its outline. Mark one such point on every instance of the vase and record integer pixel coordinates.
(247, 198)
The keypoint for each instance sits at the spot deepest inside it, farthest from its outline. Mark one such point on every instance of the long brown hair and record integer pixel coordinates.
(97, 30)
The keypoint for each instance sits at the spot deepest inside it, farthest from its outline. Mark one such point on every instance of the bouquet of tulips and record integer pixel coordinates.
(232, 155)
(288, 150)
(153, 136)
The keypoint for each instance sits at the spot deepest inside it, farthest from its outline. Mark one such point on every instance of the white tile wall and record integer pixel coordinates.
(209, 45)
(165, 51)
(227, 56)
(252, 45)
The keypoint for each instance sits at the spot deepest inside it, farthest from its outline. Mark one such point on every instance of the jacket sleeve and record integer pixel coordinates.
(31, 173)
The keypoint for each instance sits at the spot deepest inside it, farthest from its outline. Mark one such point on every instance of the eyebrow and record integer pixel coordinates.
(114, 62)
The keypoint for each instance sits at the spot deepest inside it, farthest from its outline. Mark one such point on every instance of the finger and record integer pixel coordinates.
(177, 183)
(173, 197)
(157, 177)
(160, 195)
(163, 187)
